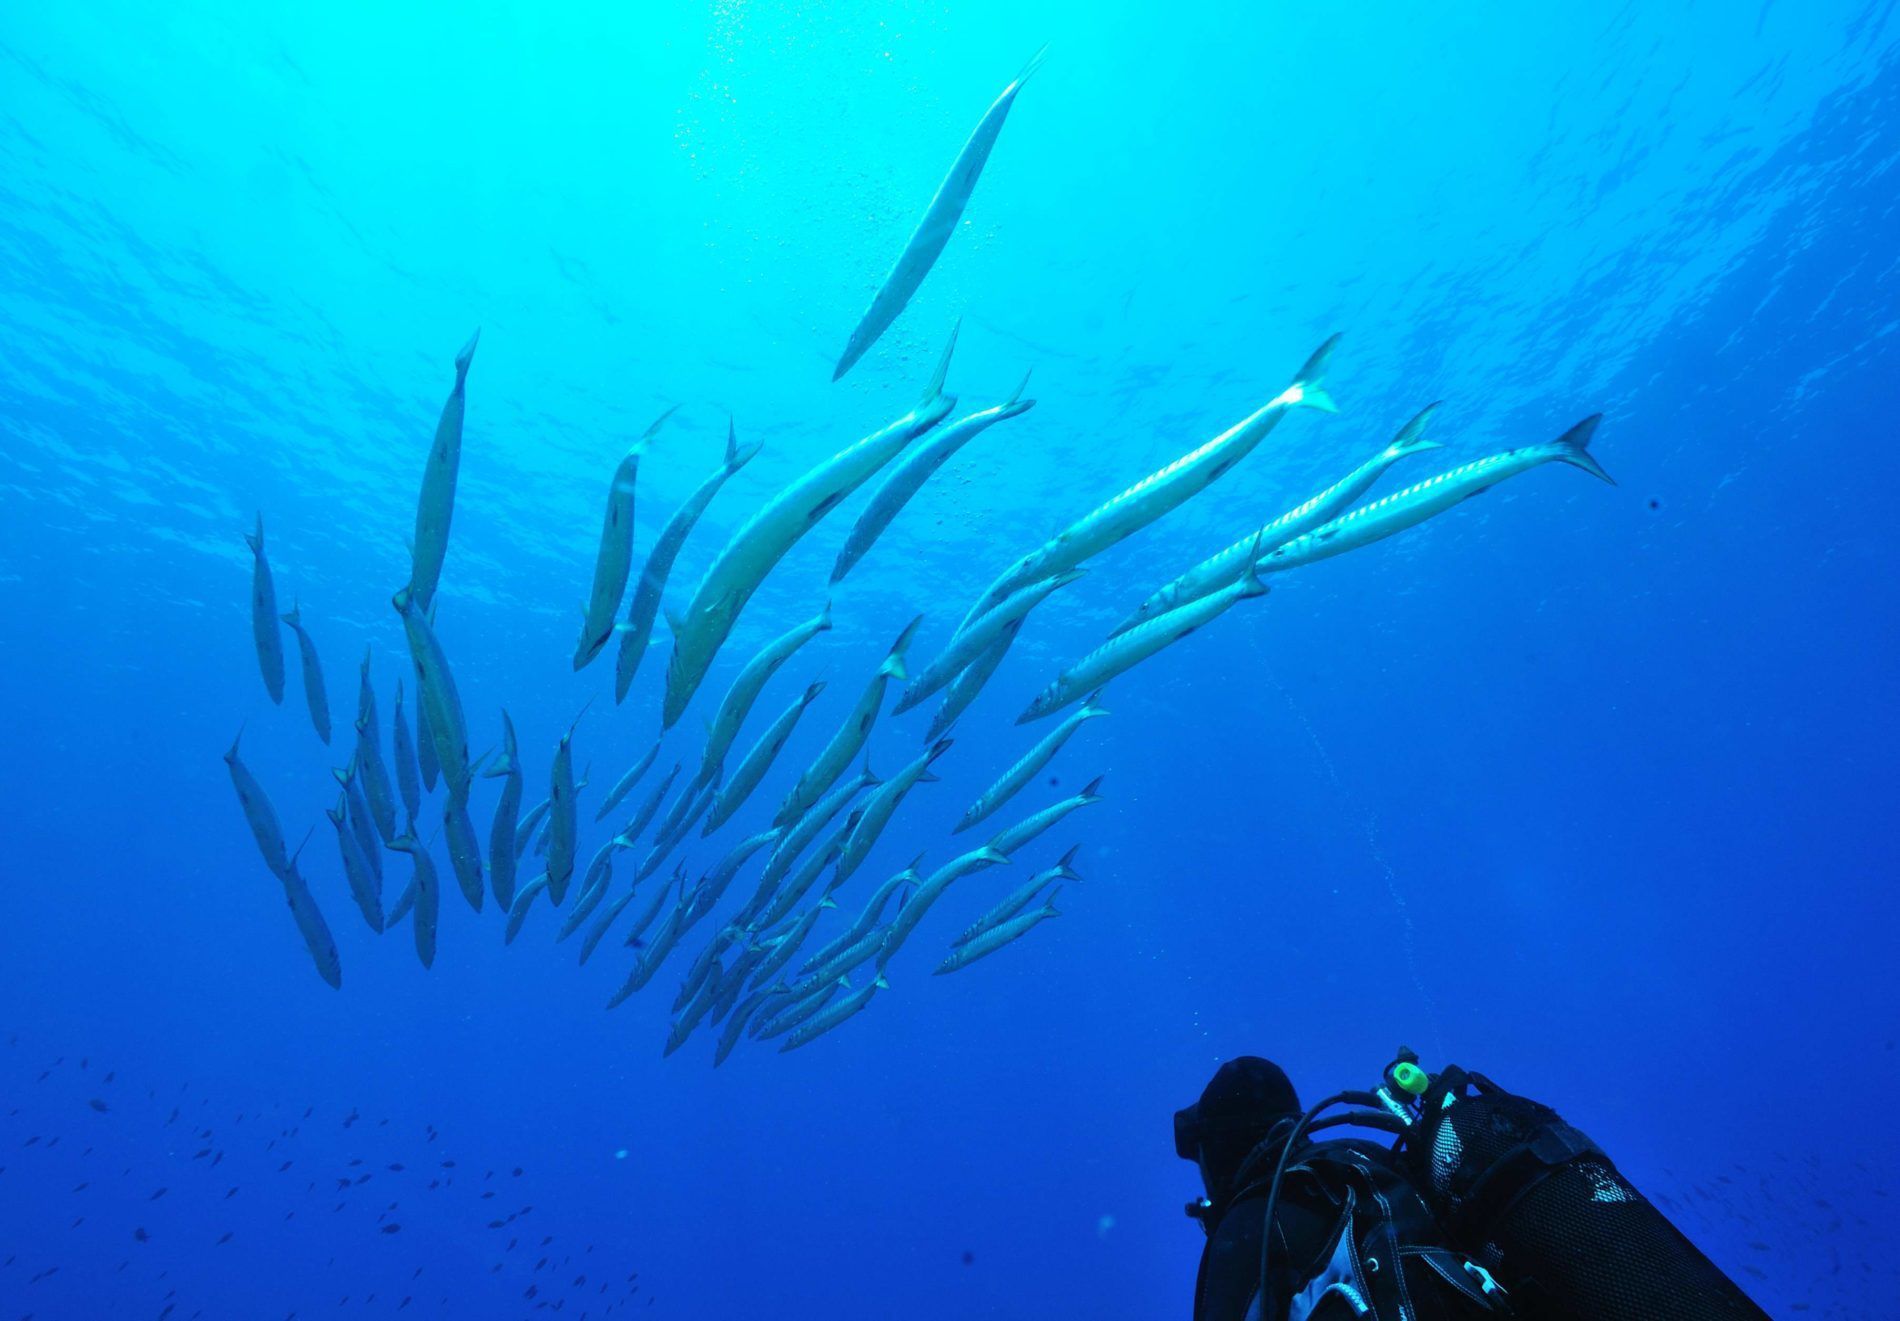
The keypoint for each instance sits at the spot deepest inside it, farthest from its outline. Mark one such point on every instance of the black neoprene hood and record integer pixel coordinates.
(1238, 1106)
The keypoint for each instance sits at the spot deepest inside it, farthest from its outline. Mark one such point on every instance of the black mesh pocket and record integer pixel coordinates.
(1584, 1243)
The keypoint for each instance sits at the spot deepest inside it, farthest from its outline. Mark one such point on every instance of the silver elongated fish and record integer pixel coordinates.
(613, 562)
(965, 687)
(880, 806)
(725, 992)
(1019, 898)
(751, 680)
(746, 560)
(1412, 506)
(637, 631)
(799, 883)
(408, 782)
(1216, 572)
(939, 222)
(697, 1009)
(649, 808)
(314, 695)
(435, 507)
(1168, 488)
(437, 693)
(366, 887)
(680, 808)
(803, 831)
(563, 827)
(594, 886)
(504, 851)
(980, 636)
(362, 823)
(847, 960)
(371, 773)
(843, 748)
(427, 900)
(425, 742)
(833, 1014)
(910, 472)
(814, 999)
(1120, 654)
(715, 883)
(753, 766)
(1012, 838)
(525, 828)
(637, 937)
(625, 784)
(1026, 769)
(258, 812)
(465, 850)
(786, 944)
(660, 948)
(993, 939)
(404, 905)
(866, 919)
(524, 900)
(704, 965)
(696, 799)
(598, 932)
(928, 893)
(310, 924)
(270, 643)
(736, 1024)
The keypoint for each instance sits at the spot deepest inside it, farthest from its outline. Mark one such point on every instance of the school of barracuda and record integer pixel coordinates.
(745, 976)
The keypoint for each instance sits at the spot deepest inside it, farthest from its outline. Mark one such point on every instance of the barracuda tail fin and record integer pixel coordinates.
(934, 391)
(505, 763)
(465, 357)
(937, 750)
(1411, 438)
(1035, 63)
(894, 663)
(1092, 792)
(1308, 390)
(255, 540)
(1016, 405)
(737, 455)
(1575, 447)
(1066, 867)
(653, 429)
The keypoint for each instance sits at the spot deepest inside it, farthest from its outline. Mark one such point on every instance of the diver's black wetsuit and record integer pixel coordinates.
(1302, 1226)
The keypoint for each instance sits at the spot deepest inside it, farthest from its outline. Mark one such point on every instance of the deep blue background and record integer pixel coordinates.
(1589, 788)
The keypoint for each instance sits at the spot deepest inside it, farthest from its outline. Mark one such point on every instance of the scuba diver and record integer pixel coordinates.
(1486, 1205)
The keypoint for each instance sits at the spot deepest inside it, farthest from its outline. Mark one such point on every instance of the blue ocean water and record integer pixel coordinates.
(1586, 787)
